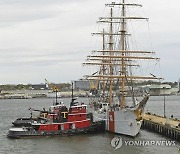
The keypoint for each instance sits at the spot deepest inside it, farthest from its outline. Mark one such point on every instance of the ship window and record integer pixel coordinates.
(73, 126)
(70, 126)
(62, 127)
(59, 127)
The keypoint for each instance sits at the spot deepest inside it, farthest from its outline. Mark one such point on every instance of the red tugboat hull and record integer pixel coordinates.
(55, 129)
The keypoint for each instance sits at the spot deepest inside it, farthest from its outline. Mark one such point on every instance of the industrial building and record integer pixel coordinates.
(82, 85)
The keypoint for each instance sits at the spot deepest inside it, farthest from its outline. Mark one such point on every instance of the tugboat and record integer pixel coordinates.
(62, 120)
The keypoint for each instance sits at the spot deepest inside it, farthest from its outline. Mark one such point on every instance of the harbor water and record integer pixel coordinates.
(90, 143)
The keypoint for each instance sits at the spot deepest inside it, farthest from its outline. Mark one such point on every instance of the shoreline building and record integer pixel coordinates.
(178, 85)
(158, 90)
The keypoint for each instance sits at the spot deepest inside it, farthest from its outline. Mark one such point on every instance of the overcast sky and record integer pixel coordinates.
(51, 38)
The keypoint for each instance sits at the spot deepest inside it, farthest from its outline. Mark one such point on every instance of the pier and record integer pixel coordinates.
(25, 94)
(167, 127)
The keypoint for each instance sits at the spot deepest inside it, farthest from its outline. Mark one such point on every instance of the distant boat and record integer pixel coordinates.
(53, 94)
(116, 77)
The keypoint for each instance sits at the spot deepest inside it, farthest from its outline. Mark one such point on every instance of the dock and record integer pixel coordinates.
(168, 127)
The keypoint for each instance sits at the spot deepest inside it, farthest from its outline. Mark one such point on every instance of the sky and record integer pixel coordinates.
(51, 38)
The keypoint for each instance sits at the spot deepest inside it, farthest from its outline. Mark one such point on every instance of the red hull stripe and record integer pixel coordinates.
(111, 122)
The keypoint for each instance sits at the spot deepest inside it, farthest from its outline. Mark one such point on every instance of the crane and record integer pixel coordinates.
(52, 86)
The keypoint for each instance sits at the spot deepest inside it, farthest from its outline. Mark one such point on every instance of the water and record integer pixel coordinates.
(172, 105)
(80, 144)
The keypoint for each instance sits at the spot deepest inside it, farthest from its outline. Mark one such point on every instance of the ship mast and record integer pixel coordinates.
(103, 71)
(110, 59)
(122, 59)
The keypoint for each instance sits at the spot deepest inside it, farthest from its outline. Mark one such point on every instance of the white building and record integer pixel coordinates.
(179, 85)
(162, 89)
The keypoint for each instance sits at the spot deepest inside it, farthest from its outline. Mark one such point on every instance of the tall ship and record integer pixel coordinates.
(117, 71)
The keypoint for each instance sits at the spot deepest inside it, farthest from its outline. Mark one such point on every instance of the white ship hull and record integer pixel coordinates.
(126, 121)
(123, 122)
